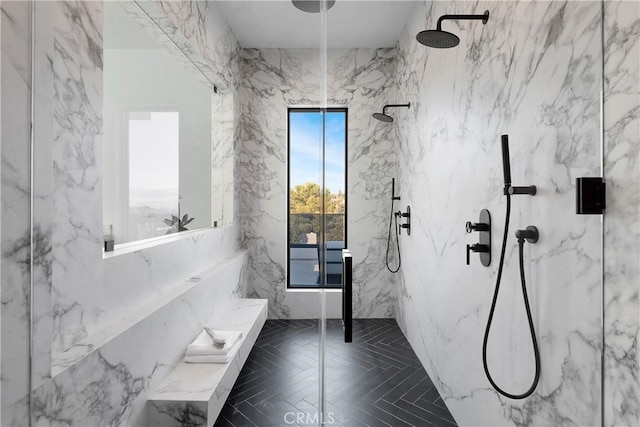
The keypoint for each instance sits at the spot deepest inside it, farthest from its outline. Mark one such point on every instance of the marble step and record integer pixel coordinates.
(194, 393)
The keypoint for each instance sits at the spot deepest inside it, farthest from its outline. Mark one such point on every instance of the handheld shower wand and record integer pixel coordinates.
(393, 190)
(506, 171)
(506, 164)
(530, 235)
(393, 217)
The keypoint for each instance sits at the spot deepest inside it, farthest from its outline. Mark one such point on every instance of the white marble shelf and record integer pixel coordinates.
(198, 391)
(82, 349)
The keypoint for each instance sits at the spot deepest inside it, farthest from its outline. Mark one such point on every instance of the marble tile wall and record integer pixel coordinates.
(532, 72)
(78, 295)
(622, 221)
(77, 270)
(15, 85)
(110, 385)
(273, 80)
(83, 295)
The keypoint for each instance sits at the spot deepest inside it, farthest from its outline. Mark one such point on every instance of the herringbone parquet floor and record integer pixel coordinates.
(375, 381)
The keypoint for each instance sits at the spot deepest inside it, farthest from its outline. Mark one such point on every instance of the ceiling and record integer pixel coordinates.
(350, 23)
(122, 32)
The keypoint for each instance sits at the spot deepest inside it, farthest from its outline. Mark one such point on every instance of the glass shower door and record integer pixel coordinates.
(417, 351)
(264, 59)
(280, 182)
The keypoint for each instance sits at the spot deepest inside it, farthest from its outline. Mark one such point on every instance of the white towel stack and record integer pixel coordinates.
(213, 346)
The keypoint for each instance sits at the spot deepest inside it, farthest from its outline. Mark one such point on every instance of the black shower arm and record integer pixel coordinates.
(484, 17)
(384, 109)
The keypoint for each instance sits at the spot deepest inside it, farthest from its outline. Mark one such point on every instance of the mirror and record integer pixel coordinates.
(162, 120)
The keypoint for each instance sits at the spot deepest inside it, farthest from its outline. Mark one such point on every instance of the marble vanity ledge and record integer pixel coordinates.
(130, 247)
(68, 358)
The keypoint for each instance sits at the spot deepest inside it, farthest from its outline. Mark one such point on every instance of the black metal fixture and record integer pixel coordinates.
(590, 196)
(393, 190)
(384, 117)
(347, 295)
(441, 39)
(510, 190)
(393, 217)
(312, 6)
(407, 220)
(484, 246)
(530, 234)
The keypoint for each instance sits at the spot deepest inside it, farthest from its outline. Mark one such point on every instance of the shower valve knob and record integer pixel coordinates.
(475, 248)
(478, 226)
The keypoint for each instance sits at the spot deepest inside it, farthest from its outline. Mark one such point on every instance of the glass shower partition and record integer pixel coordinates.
(257, 60)
(532, 71)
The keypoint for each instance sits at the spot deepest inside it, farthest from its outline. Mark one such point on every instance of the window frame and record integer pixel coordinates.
(291, 110)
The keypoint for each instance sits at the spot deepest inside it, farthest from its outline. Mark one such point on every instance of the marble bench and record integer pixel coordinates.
(194, 393)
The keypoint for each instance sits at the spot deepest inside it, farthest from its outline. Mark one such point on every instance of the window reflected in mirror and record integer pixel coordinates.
(154, 181)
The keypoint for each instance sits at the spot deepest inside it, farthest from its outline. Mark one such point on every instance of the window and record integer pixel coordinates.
(305, 130)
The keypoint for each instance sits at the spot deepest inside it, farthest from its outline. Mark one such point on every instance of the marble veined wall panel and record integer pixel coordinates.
(110, 384)
(273, 80)
(532, 72)
(79, 295)
(622, 221)
(15, 85)
(89, 291)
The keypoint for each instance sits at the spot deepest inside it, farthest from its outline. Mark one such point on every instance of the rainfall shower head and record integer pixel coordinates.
(312, 6)
(438, 39)
(384, 117)
(441, 39)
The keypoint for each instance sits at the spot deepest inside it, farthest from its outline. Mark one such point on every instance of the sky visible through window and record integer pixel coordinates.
(305, 141)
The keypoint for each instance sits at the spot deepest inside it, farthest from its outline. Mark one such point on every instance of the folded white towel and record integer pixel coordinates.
(203, 344)
(213, 358)
(220, 338)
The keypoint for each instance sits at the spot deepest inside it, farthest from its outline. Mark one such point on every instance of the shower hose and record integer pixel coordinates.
(391, 219)
(527, 308)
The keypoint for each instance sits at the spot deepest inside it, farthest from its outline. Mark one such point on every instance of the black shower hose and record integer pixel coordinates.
(391, 218)
(536, 353)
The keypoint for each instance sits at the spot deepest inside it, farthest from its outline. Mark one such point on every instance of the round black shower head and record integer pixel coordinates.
(438, 39)
(443, 39)
(382, 117)
(311, 6)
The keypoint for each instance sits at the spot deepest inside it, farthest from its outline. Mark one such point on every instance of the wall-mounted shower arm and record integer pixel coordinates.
(441, 39)
(384, 109)
(384, 117)
(484, 18)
